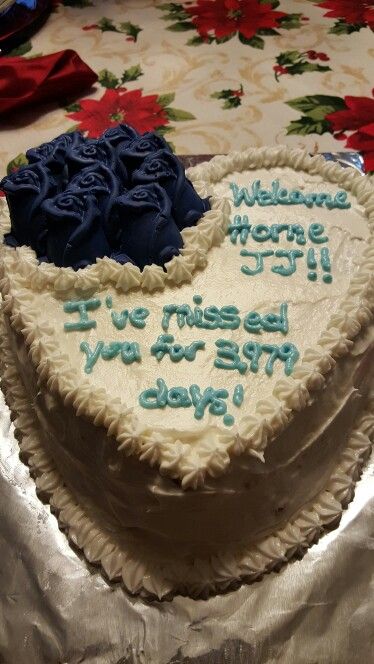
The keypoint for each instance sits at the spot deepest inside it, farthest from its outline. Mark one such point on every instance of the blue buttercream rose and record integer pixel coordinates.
(98, 180)
(146, 230)
(75, 236)
(25, 191)
(122, 134)
(96, 215)
(164, 167)
(93, 152)
(133, 154)
(53, 153)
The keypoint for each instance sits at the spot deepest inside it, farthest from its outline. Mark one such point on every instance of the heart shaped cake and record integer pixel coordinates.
(189, 362)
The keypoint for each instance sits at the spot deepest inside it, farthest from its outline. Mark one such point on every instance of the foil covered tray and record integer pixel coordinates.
(55, 608)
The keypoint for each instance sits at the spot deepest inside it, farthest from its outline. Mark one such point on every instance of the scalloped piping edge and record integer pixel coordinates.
(65, 282)
(174, 457)
(157, 579)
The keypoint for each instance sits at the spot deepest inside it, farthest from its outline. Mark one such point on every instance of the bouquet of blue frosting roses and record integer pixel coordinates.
(124, 196)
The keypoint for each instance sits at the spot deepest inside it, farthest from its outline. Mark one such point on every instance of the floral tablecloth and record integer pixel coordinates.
(211, 75)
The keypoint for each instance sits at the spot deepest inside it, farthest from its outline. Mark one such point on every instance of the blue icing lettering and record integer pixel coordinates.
(311, 262)
(128, 350)
(252, 351)
(340, 200)
(324, 199)
(238, 395)
(315, 233)
(210, 397)
(168, 311)
(241, 195)
(229, 317)
(253, 322)
(296, 197)
(240, 228)
(91, 355)
(309, 199)
(137, 318)
(229, 350)
(276, 322)
(326, 265)
(154, 397)
(291, 255)
(111, 350)
(120, 320)
(178, 397)
(270, 322)
(81, 307)
(259, 256)
(210, 318)
(281, 196)
(261, 233)
(289, 354)
(296, 231)
(164, 345)
(311, 259)
(325, 259)
(276, 229)
(265, 197)
(273, 355)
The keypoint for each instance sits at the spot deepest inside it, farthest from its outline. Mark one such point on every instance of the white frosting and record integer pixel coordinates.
(142, 570)
(335, 312)
(130, 468)
(222, 283)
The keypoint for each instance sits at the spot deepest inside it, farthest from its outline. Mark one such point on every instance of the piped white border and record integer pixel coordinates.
(190, 464)
(67, 283)
(160, 579)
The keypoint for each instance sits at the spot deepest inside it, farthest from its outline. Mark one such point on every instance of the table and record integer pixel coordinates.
(212, 75)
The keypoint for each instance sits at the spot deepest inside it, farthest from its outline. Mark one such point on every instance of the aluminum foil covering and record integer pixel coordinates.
(57, 609)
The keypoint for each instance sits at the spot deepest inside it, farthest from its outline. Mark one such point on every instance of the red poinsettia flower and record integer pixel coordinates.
(354, 12)
(223, 18)
(143, 113)
(359, 118)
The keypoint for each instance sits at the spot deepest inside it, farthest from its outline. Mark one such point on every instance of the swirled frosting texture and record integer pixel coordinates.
(70, 204)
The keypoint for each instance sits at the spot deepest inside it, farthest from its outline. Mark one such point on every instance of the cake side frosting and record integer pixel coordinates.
(262, 484)
(141, 569)
(267, 414)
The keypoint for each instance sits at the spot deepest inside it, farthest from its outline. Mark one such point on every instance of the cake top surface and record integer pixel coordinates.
(211, 356)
